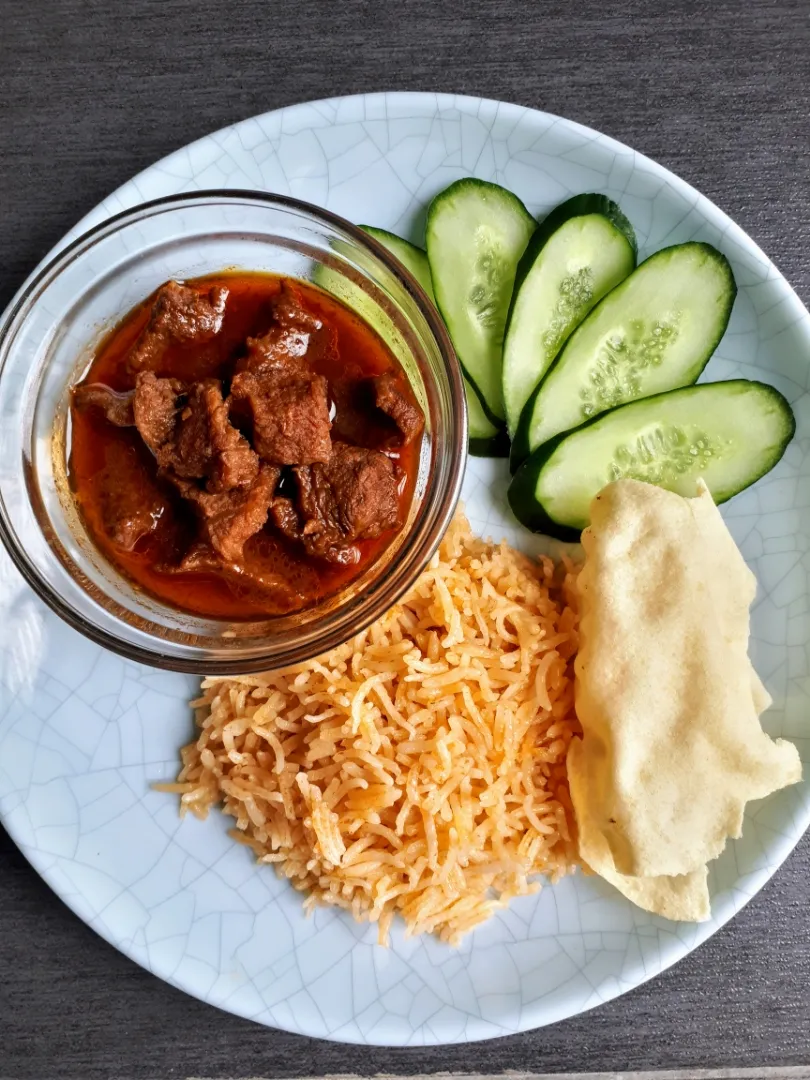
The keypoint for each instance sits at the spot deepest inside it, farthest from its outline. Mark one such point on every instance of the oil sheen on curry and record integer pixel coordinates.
(243, 446)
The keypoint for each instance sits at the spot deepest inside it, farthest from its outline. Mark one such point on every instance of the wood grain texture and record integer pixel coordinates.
(90, 94)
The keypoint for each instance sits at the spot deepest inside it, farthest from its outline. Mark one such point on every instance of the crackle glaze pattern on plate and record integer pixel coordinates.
(84, 733)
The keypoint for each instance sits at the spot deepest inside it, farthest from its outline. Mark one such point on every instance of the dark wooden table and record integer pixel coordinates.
(90, 94)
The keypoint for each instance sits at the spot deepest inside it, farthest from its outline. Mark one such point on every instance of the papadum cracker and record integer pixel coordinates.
(684, 898)
(669, 703)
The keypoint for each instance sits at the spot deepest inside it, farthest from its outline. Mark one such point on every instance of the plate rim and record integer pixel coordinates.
(673, 948)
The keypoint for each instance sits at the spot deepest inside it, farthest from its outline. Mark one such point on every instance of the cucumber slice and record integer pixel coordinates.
(728, 433)
(413, 258)
(654, 332)
(581, 251)
(476, 234)
(485, 439)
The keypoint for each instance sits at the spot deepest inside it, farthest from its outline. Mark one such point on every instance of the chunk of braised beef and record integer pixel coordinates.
(207, 445)
(199, 559)
(132, 504)
(285, 517)
(357, 420)
(190, 434)
(289, 310)
(182, 314)
(246, 578)
(352, 497)
(117, 408)
(396, 401)
(251, 579)
(288, 339)
(156, 405)
(228, 519)
(288, 414)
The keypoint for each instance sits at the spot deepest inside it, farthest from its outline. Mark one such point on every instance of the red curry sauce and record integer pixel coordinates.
(276, 574)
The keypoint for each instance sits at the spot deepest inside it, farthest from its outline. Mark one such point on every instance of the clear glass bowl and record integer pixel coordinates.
(47, 338)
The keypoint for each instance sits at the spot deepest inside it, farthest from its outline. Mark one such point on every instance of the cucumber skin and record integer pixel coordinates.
(494, 445)
(457, 185)
(577, 206)
(498, 445)
(521, 494)
(521, 449)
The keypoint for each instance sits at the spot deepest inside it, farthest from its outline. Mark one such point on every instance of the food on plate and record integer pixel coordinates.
(654, 332)
(243, 446)
(485, 438)
(441, 761)
(419, 769)
(672, 746)
(593, 350)
(728, 433)
(481, 734)
(681, 897)
(476, 234)
(581, 251)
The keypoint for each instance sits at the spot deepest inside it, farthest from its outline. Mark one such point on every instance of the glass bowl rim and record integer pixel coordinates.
(13, 318)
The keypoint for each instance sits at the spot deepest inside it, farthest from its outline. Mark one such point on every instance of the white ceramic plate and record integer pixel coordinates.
(83, 733)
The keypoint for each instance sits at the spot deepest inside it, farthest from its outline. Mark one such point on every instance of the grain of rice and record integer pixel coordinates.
(419, 769)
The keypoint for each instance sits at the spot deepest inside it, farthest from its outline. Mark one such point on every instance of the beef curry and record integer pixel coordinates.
(243, 446)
